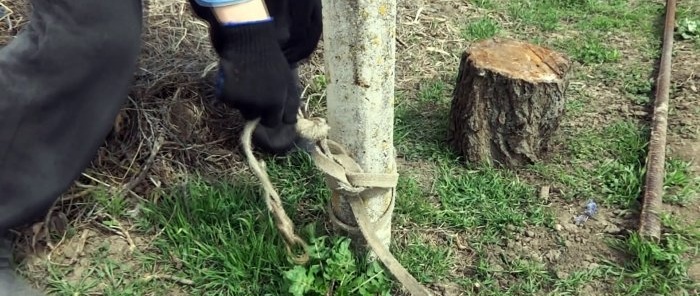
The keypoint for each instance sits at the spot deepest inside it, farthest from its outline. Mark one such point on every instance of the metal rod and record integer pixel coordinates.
(650, 223)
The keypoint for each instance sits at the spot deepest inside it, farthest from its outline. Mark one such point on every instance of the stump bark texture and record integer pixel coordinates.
(508, 101)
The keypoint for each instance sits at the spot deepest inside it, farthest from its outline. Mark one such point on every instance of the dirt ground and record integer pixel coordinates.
(170, 94)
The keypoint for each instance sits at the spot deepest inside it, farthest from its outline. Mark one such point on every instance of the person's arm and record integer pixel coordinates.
(237, 11)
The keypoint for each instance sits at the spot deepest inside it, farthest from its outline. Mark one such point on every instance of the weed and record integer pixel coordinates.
(486, 4)
(687, 29)
(540, 14)
(434, 91)
(223, 236)
(638, 85)
(113, 205)
(334, 269)
(680, 185)
(593, 50)
(479, 29)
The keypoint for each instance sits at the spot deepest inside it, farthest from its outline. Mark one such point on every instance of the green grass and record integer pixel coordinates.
(428, 260)
(110, 275)
(223, 236)
(609, 167)
(227, 243)
(658, 267)
(420, 127)
(479, 29)
(592, 49)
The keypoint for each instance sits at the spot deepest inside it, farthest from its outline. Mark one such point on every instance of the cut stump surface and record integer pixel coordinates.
(507, 102)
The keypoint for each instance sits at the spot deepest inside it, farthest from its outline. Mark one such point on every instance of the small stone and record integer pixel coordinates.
(593, 265)
(553, 255)
(639, 113)
(449, 289)
(530, 233)
(511, 227)
(562, 274)
(612, 229)
(568, 243)
(497, 267)
(571, 227)
(70, 253)
(558, 227)
(538, 258)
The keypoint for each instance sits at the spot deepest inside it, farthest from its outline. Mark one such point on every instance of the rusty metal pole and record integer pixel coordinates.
(650, 223)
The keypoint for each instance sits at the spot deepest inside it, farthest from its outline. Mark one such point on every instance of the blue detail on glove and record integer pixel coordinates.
(219, 3)
(233, 24)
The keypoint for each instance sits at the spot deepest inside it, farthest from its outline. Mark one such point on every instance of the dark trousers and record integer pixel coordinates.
(63, 80)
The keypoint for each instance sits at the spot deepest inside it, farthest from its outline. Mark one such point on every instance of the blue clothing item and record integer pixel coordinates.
(233, 24)
(218, 3)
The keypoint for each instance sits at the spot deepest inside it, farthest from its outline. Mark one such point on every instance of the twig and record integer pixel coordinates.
(170, 278)
(8, 13)
(44, 228)
(146, 166)
(119, 229)
(649, 222)
(81, 246)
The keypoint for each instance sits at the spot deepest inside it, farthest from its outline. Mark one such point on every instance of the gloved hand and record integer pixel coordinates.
(253, 71)
(305, 28)
(283, 139)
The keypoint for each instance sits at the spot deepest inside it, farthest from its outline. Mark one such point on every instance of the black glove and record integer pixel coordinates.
(253, 71)
(299, 25)
(283, 139)
(305, 29)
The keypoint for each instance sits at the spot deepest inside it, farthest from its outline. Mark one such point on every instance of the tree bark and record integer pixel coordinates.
(508, 102)
(359, 53)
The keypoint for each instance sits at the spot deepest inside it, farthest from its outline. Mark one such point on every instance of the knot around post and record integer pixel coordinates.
(345, 177)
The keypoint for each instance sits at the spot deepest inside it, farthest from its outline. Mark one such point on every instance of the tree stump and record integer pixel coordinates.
(507, 102)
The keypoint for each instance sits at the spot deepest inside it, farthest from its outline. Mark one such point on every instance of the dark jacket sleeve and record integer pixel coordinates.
(63, 80)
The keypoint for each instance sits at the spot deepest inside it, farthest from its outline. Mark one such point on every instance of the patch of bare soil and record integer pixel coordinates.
(84, 259)
(684, 129)
(684, 100)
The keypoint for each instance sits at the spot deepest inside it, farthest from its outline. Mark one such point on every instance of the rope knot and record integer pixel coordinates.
(344, 175)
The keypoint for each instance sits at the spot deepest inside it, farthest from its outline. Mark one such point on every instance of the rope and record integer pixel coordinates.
(272, 198)
(344, 176)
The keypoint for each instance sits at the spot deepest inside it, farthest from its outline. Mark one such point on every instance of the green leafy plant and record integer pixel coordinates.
(334, 270)
(688, 29)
